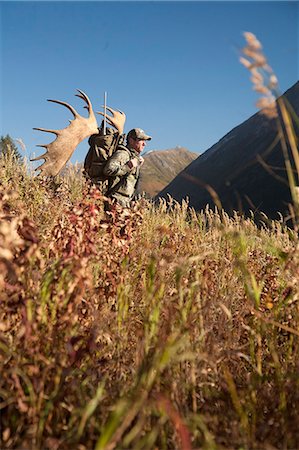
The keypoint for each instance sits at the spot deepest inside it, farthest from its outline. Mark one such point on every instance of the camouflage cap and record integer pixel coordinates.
(138, 133)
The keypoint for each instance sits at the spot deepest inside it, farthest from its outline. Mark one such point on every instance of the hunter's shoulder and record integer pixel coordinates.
(122, 151)
(122, 148)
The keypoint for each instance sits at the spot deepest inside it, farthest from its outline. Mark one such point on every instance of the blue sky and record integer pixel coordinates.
(171, 66)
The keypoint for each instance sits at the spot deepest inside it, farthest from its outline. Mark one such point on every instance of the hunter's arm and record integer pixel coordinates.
(117, 165)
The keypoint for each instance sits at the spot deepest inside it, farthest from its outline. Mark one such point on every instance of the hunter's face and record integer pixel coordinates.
(138, 144)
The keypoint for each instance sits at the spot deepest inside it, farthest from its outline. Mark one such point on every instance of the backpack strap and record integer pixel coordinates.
(130, 152)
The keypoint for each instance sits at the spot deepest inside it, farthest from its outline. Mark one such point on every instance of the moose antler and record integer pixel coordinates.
(61, 149)
(117, 120)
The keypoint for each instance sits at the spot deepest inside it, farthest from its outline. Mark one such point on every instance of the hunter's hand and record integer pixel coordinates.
(135, 162)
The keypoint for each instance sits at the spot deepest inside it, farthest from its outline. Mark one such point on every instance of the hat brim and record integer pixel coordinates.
(143, 138)
(139, 136)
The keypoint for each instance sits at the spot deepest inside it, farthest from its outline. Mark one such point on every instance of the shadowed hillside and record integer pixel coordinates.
(245, 168)
(161, 166)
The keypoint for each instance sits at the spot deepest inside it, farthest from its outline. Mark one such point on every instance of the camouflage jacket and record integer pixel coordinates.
(122, 179)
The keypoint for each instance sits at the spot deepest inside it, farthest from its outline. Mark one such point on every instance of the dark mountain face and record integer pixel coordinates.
(245, 169)
(161, 166)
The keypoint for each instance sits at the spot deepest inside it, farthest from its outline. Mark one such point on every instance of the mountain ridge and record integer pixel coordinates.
(239, 169)
(161, 166)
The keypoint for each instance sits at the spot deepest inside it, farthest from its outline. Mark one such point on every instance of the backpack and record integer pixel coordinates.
(101, 148)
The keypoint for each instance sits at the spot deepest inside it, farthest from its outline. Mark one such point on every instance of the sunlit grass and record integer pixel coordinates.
(158, 327)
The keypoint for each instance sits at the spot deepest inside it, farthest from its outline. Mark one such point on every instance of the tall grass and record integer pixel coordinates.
(157, 327)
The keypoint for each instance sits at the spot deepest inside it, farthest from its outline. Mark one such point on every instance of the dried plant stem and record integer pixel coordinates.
(290, 132)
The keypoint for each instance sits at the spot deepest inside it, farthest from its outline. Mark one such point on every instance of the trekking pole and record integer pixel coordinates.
(105, 111)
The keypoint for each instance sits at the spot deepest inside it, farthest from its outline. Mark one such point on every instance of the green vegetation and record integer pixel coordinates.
(8, 148)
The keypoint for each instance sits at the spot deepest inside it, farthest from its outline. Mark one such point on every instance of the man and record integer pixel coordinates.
(123, 168)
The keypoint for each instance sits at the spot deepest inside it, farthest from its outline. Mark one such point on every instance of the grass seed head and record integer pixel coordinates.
(262, 77)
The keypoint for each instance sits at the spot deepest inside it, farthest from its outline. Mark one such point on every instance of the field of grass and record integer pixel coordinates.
(153, 328)
(150, 328)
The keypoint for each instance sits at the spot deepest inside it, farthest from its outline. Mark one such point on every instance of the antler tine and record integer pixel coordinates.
(46, 130)
(44, 156)
(84, 97)
(73, 111)
(117, 119)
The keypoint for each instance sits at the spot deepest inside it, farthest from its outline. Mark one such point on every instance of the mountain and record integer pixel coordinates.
(245, 168)
(161, 166)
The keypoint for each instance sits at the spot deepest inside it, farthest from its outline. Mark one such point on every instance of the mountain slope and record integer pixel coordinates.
(161, 166)
(245, 168)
